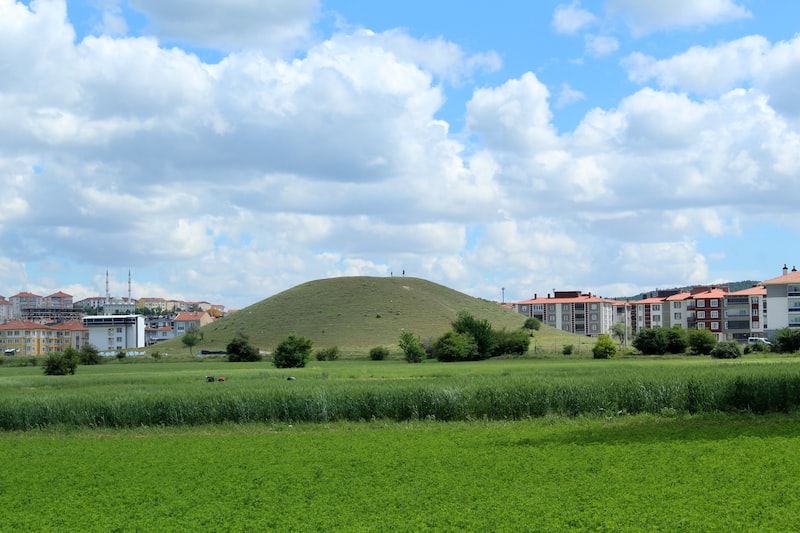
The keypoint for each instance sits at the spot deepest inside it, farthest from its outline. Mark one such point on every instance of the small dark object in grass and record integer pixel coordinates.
(210, 379)
(291, 378)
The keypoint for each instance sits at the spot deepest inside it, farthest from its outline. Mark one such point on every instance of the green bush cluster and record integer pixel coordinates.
(328, 354)
(379, 353)
(660, 341)
(61, 363)
(604, 348)
(412, 348)
(240, 350)
(474, 340)
(726, 350)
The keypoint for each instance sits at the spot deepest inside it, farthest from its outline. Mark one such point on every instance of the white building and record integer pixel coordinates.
(783, 299)
(115, 332)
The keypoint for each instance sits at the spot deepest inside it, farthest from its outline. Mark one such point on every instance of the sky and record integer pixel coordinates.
(227, 151)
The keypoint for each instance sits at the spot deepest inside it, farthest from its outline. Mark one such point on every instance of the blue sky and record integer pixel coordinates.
(229, 152)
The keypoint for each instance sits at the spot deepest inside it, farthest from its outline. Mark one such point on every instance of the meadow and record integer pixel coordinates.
(550, 444)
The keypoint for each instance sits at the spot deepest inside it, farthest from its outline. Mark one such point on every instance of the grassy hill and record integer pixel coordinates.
(353, 313)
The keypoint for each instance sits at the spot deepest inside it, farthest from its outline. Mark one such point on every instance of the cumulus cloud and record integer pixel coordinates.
(655, 15)
(601, 45)
(274, 27)
(570, 19)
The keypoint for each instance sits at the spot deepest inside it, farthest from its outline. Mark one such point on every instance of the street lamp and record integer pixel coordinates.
(504, 294)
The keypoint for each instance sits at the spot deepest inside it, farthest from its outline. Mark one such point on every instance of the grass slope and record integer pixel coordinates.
(354, 313)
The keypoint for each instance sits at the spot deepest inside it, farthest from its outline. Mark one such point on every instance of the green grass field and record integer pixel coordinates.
(541, 444)
(706, 473)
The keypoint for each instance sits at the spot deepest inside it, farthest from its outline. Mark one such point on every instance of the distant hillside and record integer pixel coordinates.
(732, 285)
(354, 313)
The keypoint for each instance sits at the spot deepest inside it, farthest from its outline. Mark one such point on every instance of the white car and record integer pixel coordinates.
(758, 340)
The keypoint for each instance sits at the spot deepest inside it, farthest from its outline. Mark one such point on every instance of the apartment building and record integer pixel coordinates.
(187, 320)
(783, 298)
(572, 311)
(705, 309)
(745, 313)
(25, 337)
(115, 332)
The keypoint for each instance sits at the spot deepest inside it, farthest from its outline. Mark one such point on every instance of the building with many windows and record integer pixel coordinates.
(115, 332)
(25, 337)
(572, 311)
(783, 298)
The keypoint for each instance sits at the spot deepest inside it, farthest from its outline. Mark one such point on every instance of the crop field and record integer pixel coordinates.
(640, 444)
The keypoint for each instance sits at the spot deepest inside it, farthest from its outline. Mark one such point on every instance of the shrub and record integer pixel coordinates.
(513, 343)
(121, 355)
(292, 352)
(453, 346)
(61, 364)
(532, 323)
(726, 350)
(328, 354)
(379, 353)
(567, 349)
(89, 355)
(604, 348)
(701, 341)
(412, 347)
(240, 350)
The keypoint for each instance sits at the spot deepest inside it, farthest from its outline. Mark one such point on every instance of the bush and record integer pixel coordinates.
(240, 350)
(532, 323)
(567, 349)
(514, 343)
(328, 354)
(651, 341)
(61, 364)
(379, 353)
(89, 355)
(412, 347)
(677, 340)
(702, 341)
(726, 350)
(604, 348)
(453, 346)
(292, 352)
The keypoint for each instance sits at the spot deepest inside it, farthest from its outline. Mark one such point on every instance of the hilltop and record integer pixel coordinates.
(353, 313)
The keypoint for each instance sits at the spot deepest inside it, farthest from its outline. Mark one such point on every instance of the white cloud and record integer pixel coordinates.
(274, 27)
(655, 15)
(601, 45)
(567, 95)
(570, 19)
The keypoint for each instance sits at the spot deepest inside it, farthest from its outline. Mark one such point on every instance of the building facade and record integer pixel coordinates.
(572, 311)
(116, 332)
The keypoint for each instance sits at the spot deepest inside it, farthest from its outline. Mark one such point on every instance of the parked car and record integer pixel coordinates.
(758, 340)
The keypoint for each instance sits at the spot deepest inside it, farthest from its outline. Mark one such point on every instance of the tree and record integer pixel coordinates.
(727, 350)
(191, 338)
(513, 343)
(292, 352)
(532, 323)
(787, 340)
(330, 353)
(618, 330)
(88, 355)
(604, 348)
(453, 346)
(480, 330)
(651, 341)
(702, 341)
(240, 350)
(412, 347)
(61, 364)
(676, 340)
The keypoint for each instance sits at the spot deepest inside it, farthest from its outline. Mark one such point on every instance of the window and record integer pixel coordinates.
(714, 314)
(755, 312)
(593, 307)
(655, 307)
(701, 303)
(676, 316)
(715, 325)
(701, 314)
(538, 307)
(593, 317)
(551, 318)
(551, 308)
(565, 307)
(701, 325)
(523, 308)
(714, 303)
(676, 305)
(564, 318)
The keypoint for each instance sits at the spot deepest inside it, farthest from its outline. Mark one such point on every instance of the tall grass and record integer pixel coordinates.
(170, 399)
